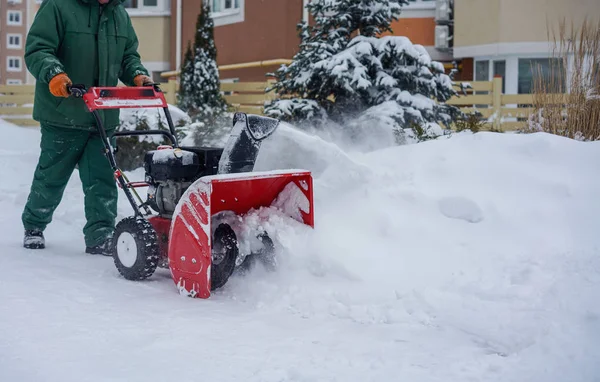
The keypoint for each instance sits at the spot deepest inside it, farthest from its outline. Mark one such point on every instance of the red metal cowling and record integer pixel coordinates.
(122, 97)
(190, 237)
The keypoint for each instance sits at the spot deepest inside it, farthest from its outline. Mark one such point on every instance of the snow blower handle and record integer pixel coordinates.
(126, 97)
(76, 91)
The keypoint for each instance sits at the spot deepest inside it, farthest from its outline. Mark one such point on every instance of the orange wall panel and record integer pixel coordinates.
(418, 30)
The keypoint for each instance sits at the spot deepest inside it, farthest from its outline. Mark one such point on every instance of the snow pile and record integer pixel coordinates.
(469, 258)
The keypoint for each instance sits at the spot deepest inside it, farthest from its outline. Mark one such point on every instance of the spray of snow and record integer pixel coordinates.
(292, 201)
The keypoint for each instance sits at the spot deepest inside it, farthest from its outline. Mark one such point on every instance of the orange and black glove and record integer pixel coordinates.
(58, 85)
(142, 80)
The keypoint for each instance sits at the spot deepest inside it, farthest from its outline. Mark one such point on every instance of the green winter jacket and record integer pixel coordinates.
(93, 45)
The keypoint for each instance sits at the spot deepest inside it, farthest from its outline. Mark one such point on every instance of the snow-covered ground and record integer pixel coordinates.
(474, 258)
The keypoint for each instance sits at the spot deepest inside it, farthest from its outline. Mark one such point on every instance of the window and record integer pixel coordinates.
(161, 6)
(552, 72)
(482, 70)
(13, 64)
(14, 82)
(225, 5)
(14, 18)
(482, 73)
(421, 4)
(226, 12)
(13, 41)
(500, 70)
(140, 3)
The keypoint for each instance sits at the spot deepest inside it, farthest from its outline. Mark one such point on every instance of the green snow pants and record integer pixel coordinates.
(61, 150)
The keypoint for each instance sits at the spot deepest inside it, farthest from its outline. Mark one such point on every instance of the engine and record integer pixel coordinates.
(170, 172)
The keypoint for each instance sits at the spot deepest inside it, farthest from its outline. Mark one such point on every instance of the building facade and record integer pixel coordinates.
(15, 18)
(482, 38)
(151, 20)
(260, 30)
(507, 38)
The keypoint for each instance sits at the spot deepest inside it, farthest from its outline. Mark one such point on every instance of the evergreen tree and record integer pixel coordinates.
(186, 81)
(345, 71)
(200, 88)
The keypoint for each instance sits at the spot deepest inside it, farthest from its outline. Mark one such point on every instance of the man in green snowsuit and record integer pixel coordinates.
(90, 42)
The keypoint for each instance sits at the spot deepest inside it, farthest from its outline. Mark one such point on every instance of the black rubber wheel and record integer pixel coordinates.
(224, 253)
(135, 248)
(266, 256)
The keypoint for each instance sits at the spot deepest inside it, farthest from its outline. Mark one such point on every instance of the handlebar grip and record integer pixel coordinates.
(77, 91)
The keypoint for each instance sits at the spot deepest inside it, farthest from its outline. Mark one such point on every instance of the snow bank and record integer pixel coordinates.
(469, 258)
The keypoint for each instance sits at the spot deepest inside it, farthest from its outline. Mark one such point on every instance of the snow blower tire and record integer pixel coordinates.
(135, 248)
(224, 253)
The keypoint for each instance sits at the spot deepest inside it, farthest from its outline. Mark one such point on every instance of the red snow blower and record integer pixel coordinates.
(196, 198)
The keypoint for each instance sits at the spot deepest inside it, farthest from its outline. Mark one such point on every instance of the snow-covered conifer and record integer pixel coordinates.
(348, 69)
(200, 90)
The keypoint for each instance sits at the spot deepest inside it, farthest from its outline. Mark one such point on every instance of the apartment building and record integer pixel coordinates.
(150, 18)
(15, 18)
(507, 37)
(418, 21)
(260, 30)
(245, 31)
(153, 23)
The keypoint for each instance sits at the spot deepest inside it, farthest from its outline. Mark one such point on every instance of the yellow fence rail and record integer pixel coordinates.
(247, 97)
(501, 111)
(16, 104)
(16, 101)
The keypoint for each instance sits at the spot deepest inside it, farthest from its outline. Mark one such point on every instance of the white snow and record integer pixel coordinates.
(292, 201)
(167, 154)
(473, 258)
(460, 208)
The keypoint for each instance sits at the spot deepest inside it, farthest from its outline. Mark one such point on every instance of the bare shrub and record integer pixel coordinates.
(567, 102)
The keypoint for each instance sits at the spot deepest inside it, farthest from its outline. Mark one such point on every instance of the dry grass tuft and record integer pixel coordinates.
(569, 103)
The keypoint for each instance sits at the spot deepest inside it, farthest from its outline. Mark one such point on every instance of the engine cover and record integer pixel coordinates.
(171, 164)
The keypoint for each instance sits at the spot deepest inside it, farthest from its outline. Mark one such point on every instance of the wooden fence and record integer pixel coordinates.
(501, 111)
(247, 97)
(16, 104)
(16, 101)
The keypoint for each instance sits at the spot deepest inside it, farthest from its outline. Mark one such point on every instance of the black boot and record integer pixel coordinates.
(103, 248)
(34, 239)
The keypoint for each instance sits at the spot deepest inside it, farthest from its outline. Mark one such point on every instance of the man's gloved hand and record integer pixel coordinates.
(58, 85)
(142, 80)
